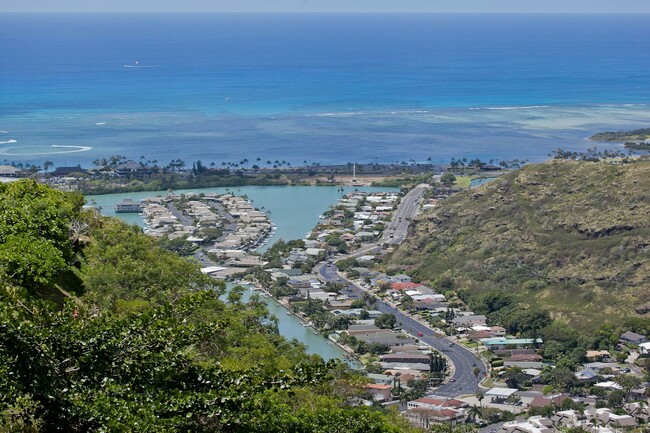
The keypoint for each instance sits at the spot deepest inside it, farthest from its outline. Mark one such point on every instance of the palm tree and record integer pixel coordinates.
(47, 165)
(474, 412)
(514, 399)
(480, 396)
(476, 372)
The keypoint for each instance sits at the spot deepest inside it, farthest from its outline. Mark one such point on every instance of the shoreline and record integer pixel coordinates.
(569, 124)
(304, 320)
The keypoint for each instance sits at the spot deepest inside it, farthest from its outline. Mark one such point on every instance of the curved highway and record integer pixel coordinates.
(464, 361)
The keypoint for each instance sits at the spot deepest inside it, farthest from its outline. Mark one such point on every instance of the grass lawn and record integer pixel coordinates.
(463, 181)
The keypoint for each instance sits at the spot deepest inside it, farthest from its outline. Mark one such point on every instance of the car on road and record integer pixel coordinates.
(450, 344)
(420, 334)
(453, 379)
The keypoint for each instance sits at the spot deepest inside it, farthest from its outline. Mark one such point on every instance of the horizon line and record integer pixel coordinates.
(387, 12)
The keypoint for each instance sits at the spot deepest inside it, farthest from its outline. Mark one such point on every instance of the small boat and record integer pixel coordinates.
(306, 325)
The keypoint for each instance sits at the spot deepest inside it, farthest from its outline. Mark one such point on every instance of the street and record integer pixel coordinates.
(464, 361)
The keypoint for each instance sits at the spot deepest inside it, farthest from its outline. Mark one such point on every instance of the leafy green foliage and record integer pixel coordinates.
(448, 179)
(121, 263)
(34, 232)
(385, 321)
(142, 371)
(179, 246)
(621, 136)
(149, 346)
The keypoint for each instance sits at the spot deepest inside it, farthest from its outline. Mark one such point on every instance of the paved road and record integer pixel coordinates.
(397, 228)
(463, 381)
(396, 231)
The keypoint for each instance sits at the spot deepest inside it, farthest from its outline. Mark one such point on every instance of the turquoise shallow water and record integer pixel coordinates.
(293, 209)
(321, 88)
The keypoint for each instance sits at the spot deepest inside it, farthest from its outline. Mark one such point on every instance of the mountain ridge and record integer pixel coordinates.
(570, 237)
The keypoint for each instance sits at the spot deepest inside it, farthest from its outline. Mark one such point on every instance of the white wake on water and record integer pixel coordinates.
(24, 151)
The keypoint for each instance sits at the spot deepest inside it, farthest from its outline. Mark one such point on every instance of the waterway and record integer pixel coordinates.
(293, 209)
(291, 327)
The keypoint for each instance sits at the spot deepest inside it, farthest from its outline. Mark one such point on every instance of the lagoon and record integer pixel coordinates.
(293, 209)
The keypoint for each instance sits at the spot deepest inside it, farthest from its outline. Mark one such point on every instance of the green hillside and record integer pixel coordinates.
(568, 237)
(103, 330)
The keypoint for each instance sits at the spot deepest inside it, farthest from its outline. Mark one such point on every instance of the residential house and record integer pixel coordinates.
(493, 344)
(640, 412)
(524, 361)
(598, 355)
(356, 312)
(469, 321)
(540, 402)
(633, 338)
(132, 169)
(383, 379)
(380, 392)
(479, 335)
(388, 338)
(425, 412)
(8, 171)
(586, 374)
(606, 417)
(401, 278)
(426, 418)
(407, 357)
(364, 236)
(433, 403)
(534, 424)
(404, 286)
(567, 418)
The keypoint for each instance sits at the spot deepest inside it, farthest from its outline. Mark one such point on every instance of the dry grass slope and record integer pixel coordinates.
(571, 237)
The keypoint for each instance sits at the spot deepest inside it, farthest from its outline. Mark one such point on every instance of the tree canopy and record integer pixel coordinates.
(145, 342)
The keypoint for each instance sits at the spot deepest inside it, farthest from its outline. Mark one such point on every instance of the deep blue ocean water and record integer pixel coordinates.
(321, 88)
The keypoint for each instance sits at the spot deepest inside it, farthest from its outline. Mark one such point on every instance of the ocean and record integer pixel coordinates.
(325, 88)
